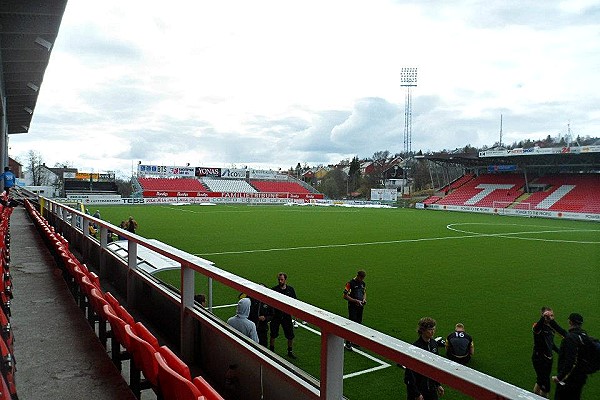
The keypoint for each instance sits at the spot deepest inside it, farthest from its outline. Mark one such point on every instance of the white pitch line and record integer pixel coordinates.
(449, 227)
(328, 246)
(511, 235)
(382, 364)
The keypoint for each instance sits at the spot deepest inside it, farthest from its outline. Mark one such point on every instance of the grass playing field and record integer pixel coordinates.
(492, 273)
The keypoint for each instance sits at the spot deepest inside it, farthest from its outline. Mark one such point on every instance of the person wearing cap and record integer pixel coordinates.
(355, 294)
(543, 347)
(420, 387)
(570, 378)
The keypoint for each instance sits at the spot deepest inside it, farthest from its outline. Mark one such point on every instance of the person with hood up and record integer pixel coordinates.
(241, 322)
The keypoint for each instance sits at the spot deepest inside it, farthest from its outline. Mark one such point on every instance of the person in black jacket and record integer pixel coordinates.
(459, 345)
(355, 293)
(261, 313)
(283, 319)
(420, 387)
(570, 378)
(543, 346)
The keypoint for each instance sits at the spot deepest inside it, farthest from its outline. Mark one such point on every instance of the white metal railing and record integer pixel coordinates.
(334, 328)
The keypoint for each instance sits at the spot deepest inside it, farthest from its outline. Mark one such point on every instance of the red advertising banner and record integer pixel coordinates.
(256, 195)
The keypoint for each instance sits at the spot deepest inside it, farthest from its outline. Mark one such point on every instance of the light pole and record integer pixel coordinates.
(408, 79)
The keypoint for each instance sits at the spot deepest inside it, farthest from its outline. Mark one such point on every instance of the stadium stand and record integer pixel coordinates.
(130, 340)
(278, 187)
(181, 184)
(73, 186)
(488, 190)
(228, 185)
(569, 192)
(559, 192)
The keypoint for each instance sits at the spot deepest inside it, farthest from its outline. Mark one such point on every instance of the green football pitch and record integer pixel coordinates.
(492, 273)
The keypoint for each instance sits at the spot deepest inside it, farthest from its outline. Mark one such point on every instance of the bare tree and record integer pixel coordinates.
(35, 166)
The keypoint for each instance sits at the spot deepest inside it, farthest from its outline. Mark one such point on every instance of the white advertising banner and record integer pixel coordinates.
(230, 173)
(384, 194)
(163, 170)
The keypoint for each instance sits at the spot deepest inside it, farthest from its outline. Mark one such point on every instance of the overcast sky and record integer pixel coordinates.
(268, 84)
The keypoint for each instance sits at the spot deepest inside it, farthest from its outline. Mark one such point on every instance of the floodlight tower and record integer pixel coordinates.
(408, 79)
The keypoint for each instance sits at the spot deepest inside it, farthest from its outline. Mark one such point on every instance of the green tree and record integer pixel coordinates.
(333, 185)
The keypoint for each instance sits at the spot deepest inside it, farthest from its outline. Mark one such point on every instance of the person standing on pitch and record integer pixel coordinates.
(355, 294)
(570, 378)
(459, 345)
(543, 346)
(420, 387)
(283, 319)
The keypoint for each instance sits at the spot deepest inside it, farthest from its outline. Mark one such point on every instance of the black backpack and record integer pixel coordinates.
(589, 353)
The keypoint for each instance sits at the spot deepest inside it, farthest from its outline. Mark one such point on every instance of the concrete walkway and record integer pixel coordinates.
(58, 356)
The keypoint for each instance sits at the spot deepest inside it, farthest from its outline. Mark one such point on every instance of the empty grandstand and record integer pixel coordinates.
(203, 184)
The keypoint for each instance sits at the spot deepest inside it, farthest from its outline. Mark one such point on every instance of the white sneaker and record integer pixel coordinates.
(294, 323)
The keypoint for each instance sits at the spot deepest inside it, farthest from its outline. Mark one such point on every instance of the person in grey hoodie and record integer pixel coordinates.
(241, 322)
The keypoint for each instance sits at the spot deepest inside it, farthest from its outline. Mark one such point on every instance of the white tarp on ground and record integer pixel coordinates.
(148, 260)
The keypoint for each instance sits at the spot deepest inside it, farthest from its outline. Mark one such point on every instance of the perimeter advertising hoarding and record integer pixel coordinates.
(230, 173)
(266, 174)
(534, 151)
(384, 194)
(163, 170)
(255, 195)
(208, 171)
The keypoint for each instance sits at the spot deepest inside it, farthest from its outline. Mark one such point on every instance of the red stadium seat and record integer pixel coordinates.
(206, 389)
(98, 302)
(112, 300)
(143, 356)
(119, 337)
(4, 390)
(173, 386)
(175, 362)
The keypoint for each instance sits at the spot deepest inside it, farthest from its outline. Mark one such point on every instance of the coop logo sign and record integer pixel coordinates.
(233, 173)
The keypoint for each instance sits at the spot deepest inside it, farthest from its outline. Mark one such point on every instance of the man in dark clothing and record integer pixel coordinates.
(570, 378)
(543, 346)
(283, 319)
(420, 387)
(355, 294)
(459, 345)
(261, 313)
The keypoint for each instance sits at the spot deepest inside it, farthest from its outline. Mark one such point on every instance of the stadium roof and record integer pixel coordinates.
(566, 160)
(28, 30)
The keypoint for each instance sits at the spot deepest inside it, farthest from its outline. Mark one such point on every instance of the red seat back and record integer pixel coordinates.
(175, 362)
(143, 356)
(207, 391)
(174, 386)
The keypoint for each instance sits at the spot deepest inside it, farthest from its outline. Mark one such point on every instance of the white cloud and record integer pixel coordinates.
(274, 83)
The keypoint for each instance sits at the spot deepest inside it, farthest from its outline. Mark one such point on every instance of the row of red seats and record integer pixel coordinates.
(8, 388)
(184, 184)
(163, 371)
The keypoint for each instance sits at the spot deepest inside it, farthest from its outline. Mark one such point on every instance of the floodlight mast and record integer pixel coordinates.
(408, 79)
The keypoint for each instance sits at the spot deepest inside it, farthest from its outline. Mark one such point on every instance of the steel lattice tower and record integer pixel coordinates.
(408, 79)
